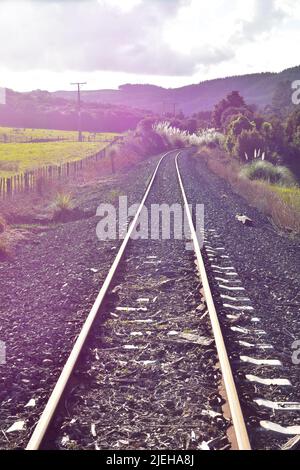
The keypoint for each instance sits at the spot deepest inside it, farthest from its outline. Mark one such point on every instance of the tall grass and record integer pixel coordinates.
(291, 196)
(266, 171)
(179, 138)
(63, 201)
(272, 200)
(63, 207)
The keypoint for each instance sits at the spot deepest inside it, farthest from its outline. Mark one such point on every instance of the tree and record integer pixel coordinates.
(230, 142)
(267, 130)
(233, 100)
(146, 125)
(296, 140)
(204, 119)
(282, 99)
(192, 126)
(292, 125)
(237, 125)
(232, 112)
(218, 111)
(277, 140)
(177, 123)
(240, 123)
(293, 138)
(249, 141)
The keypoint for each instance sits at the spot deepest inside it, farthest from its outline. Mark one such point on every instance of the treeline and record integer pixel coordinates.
(250, 134)
(40, 109)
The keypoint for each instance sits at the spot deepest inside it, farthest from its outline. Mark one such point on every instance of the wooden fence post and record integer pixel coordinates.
(26, 181)
(8, 186)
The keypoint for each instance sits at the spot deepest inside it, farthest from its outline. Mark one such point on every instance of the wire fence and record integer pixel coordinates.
(21, 139)
(33, 180)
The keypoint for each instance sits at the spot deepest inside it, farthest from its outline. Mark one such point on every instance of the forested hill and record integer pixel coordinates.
(119, 110)
(41, 109)
(257, 89)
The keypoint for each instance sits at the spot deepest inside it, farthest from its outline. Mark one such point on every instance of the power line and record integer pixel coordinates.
(79, 108)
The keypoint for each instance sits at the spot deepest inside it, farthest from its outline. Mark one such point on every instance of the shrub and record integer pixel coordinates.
(267, 130)
(63, 201)
(64, 209)
(266, 171)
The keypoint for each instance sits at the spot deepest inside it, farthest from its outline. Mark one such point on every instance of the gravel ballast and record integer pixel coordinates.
(267, 265)
(149, 378)
(46, 293)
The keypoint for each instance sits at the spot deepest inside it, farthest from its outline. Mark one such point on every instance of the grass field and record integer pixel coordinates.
(10, 134)
(16, 158)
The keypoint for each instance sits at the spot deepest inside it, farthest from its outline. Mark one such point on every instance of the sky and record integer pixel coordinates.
(46, 44)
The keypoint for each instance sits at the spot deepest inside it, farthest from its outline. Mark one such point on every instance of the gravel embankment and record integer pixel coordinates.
(46, 293)
(267, 265)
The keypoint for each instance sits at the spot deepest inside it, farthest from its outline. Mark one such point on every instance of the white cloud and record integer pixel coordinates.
(266, 15)
(107, 41)
(92, 35)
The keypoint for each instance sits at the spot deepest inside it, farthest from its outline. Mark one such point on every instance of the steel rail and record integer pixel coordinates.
(60, 386)
(231, 392)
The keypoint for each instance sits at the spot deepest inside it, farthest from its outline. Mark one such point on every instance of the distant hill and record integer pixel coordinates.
(257, 89)
(41, 109)
(120, 110)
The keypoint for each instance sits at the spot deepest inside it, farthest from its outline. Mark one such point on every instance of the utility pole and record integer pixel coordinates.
(79, 108)
(174, 109)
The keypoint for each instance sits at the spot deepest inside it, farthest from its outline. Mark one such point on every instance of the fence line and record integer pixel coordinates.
(13, 139)
(32, 180)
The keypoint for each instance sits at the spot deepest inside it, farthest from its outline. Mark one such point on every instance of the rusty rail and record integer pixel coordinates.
(231, 392)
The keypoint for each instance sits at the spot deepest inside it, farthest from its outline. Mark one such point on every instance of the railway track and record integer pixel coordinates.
(179, 351)
(150, 368)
